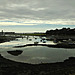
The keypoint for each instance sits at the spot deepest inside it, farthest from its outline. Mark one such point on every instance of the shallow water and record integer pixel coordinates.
(35, 54)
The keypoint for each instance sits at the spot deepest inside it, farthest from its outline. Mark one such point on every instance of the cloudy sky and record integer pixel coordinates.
(36, 12)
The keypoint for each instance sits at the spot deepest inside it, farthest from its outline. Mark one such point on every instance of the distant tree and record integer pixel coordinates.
(63, 31)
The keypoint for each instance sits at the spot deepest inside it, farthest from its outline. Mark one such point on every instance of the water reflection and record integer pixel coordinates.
(29, 40)
(38, 54)
(35, 54)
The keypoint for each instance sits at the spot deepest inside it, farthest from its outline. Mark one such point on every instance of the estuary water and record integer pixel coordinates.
(35, 54)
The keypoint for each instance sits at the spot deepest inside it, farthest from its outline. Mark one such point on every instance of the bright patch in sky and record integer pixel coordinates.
(37, 12)
(36, 22)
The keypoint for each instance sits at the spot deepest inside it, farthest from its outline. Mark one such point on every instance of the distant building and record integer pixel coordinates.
(2, 33)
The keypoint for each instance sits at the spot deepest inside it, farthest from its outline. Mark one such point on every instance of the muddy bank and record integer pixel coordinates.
(8, 67)
(6, 38)
(49, 45)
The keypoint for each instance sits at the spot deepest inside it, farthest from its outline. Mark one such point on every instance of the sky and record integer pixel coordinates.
(25, 15)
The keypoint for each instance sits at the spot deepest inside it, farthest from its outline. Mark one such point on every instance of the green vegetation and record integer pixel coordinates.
(31, 34)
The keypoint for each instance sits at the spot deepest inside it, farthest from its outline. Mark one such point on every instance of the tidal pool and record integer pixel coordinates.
(35, 54)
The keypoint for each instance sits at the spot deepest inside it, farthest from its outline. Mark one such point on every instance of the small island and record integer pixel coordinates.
(15, 52)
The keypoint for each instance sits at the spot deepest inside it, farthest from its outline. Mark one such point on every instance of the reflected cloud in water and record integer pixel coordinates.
(35, 54)
(38, 54)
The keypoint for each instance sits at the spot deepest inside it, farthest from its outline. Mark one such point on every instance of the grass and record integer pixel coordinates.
(32, 34)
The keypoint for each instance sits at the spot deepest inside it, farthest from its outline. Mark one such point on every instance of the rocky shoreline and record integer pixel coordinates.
(9, 67)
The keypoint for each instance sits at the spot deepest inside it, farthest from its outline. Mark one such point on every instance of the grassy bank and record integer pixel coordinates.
(31, 34)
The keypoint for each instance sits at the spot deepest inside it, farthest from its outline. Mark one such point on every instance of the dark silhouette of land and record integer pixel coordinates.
(61, 34)
(6, 38)
(8, 67)
(69, 46)
(15, 52)
(63, 31)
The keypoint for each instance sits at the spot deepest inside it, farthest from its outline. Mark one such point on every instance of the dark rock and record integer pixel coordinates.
(15, 52)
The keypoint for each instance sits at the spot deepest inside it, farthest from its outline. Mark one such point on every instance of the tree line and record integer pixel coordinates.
(63, 31)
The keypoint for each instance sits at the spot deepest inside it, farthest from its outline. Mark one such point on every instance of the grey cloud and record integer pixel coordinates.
(37, 9)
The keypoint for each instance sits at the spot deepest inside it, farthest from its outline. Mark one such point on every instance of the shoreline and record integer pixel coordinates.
(17, 68)
(6, 38)
(49, 45)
